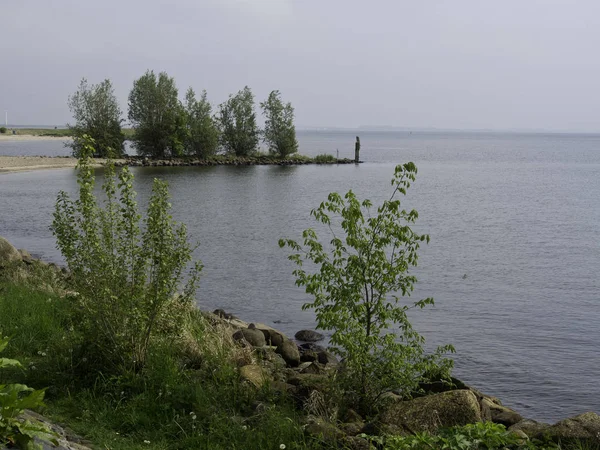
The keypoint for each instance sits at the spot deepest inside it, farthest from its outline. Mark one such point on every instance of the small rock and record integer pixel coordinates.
(530, 427)
(326, 358)
(324, 431)
(26, 256)
(254, 337)
(312, 347)
(500, 414)
(308, 356)
(313, 367)
(309, 336)
(289, 351)
(8, 253)
(254, 374)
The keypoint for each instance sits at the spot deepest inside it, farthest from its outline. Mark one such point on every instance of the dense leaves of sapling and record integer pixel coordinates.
(358, 287)
(97, 114)
(157, 116)
(202, 133)
(279, 132)
(126, 279)
(237, 123)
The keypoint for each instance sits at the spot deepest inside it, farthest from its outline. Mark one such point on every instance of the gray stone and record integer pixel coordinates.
(309, 336)
(530, 427)
(26, 256)
(500, 414)
(289, 351)
(584, 428)
(253, 337)
(447, 409)
(8, 253)
(254, 374)
(326, 358)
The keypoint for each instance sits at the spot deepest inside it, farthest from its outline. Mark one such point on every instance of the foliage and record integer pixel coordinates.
(14, 399)
(279, 132)
(157, 116)
(127, 280)
(237, 123)
(3, 130)
(351, 288)
(325, 158)
(97, 114)
(202, 138)
(483, 435)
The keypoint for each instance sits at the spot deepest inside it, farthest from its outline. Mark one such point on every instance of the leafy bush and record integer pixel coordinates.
(351, 288)
(325, 158)
(14, 399)
(126, 280)
(3, 130)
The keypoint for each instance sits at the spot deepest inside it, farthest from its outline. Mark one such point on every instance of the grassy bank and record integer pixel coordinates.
(187, 396)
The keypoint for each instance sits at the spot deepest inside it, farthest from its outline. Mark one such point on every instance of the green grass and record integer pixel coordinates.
(169, 405)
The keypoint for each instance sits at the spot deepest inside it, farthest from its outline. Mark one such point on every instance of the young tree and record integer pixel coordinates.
(358, 287)
(128, 277)
(157, 116)
(97, 114)
(202, 133)
(237, 123)
(280, 132)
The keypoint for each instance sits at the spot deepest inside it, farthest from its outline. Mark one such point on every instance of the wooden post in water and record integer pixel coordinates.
(357, 150)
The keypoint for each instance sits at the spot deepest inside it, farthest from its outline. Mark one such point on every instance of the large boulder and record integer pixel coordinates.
(584, 428)
(252, 336)
(309, 336)
(8, 253)
(289, 351)
(447, 409)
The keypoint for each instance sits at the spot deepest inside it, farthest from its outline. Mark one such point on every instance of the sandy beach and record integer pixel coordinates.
(21, 163)
(29, 137)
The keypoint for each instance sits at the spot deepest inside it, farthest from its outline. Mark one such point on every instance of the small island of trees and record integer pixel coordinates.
(163, 126)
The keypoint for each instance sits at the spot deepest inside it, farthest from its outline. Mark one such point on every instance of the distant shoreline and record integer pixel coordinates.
(10, 164)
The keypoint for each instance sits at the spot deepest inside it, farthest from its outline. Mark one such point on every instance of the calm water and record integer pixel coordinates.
(519, 215)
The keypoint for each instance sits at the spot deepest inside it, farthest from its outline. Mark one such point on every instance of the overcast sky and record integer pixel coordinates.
(466, 64)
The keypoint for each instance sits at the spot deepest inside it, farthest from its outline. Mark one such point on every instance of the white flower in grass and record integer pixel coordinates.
(282, 446)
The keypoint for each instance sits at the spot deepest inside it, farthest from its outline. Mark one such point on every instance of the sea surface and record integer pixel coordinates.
(513, 262)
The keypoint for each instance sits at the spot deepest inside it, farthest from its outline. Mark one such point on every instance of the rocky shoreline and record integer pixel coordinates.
(263, 160)
(302, 369)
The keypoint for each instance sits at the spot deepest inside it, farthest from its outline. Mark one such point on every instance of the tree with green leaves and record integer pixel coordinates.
(279, 132)
(202, 137)
(128, 272)
(361, 278)
(157, 116)
(237, 123)
(97, 114)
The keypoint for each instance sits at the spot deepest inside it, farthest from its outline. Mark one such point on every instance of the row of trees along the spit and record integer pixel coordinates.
(164, 126)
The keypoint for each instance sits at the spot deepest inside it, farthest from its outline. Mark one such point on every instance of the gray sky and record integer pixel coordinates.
(504, 64)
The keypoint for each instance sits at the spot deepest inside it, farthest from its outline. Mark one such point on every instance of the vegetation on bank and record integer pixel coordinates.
(130, 363)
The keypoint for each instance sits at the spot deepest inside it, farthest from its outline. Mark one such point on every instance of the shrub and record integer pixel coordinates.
(325, 158)
(351, 288)
(3, 130)
(126, 280)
